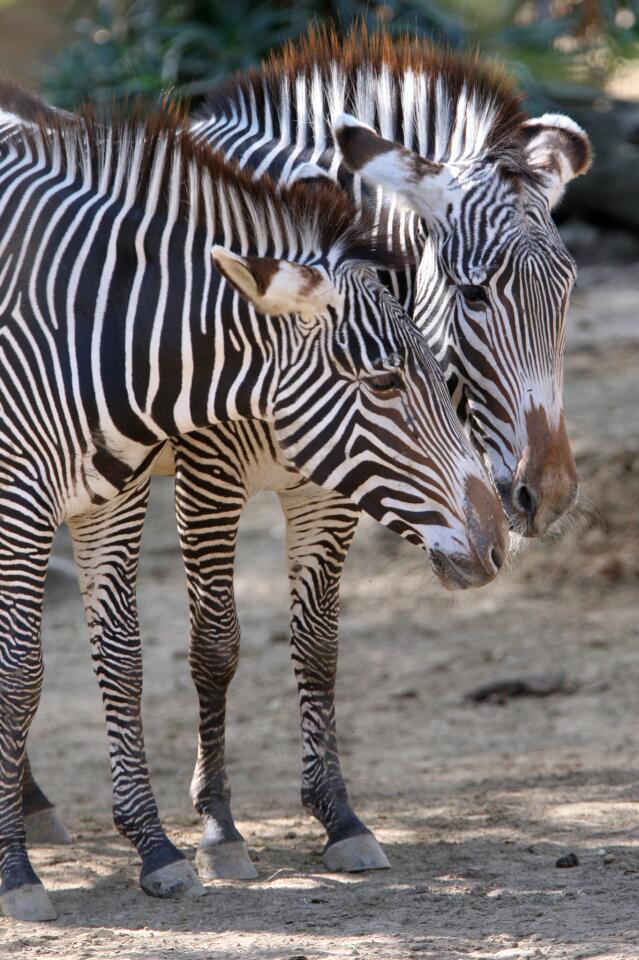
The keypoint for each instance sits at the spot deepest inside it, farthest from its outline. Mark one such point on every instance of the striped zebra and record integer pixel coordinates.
(439, 150)
(467, 188)
(148, 289)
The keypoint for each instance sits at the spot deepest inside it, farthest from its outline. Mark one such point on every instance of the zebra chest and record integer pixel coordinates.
(240, 454)
(101, 474)
(262, 463)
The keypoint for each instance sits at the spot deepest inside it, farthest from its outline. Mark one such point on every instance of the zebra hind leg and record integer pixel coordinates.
(106, 545)
(320, 527)
(26, 546)
(208, 548)
(42, 822)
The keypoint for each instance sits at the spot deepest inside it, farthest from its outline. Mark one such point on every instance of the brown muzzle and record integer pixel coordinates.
(546, 485)
(487, 531)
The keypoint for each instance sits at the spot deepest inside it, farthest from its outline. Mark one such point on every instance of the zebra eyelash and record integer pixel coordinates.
(385, 383)
(474, 294)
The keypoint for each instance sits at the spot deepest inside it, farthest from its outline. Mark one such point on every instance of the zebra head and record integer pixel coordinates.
(492, 294)
(360, 405)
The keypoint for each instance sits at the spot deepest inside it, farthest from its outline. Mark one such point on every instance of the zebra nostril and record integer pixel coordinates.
(525, 500)
(497, 557)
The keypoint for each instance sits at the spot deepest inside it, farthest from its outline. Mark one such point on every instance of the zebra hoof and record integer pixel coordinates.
(225, 861)
(355, 854)
(173, 882)
(46, 827)
(28, 902)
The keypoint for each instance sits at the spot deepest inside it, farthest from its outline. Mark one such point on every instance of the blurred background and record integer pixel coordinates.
(579, 56)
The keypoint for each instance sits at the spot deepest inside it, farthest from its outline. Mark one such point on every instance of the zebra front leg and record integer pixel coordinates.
(106, 545)
(26, 545)
(210, 496)
(42, 822)
(320, 528)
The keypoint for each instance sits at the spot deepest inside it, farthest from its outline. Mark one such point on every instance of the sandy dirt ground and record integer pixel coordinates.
(474, 803)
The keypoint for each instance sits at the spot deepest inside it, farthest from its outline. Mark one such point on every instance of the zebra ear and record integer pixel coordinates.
(557, 147)
(421, 184)
(277, 287)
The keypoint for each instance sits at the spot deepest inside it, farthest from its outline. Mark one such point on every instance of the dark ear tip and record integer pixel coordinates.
(346, 139)
(587, 157)
(357, 142)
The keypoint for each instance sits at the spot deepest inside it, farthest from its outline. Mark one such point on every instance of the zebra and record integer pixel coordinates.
(148, 288)
(468, 190)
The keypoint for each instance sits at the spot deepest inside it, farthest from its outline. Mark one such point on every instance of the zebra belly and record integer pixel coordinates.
(248, 448)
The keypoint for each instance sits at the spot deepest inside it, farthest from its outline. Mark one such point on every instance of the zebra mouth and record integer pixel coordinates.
(450, 572)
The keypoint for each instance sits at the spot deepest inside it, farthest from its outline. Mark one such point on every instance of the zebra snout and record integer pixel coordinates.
(545, 485)
(539, 508)
(486, 536)
(487, 526)
(459, 571)
(489, 553)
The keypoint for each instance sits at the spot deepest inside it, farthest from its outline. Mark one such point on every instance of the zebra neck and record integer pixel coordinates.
(125, 314)
(178, 348)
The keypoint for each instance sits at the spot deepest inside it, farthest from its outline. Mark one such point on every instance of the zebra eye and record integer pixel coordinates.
(385, 383)
(473, 294)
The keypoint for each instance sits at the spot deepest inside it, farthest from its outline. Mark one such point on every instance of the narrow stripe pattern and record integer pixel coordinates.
(501, 355)
(117, 332)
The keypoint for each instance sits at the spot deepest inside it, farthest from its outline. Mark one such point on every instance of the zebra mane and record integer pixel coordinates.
(130, 156)
(445, 106)
(20, 104)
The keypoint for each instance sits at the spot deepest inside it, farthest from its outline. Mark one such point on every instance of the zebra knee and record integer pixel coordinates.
(214, 653)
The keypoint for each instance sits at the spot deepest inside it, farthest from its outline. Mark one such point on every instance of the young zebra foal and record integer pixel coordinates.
(118, 330)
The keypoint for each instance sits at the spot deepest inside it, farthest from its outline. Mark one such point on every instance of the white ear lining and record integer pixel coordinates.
(235, 269)
(278, 287)
(559, 148)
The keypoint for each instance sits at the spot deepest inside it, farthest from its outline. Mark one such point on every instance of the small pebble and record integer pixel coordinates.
(568, 860)
(609, 858)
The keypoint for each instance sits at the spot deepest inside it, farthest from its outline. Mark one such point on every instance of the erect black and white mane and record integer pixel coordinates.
(445, 106)
(155, 164)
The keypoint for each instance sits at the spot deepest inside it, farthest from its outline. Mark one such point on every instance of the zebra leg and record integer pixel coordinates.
(320, 528)
(208, 514)
(26, 546)
(106, 546)
(42, 822)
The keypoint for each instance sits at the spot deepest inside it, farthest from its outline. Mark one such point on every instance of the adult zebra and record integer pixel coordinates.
(117, 332)
(491, 294)
(468, 190)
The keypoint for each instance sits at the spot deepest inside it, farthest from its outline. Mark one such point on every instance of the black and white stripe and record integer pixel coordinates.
(120, 330)
(490, 295)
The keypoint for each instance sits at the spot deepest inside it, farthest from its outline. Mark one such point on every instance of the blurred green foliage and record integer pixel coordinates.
(125, 48)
